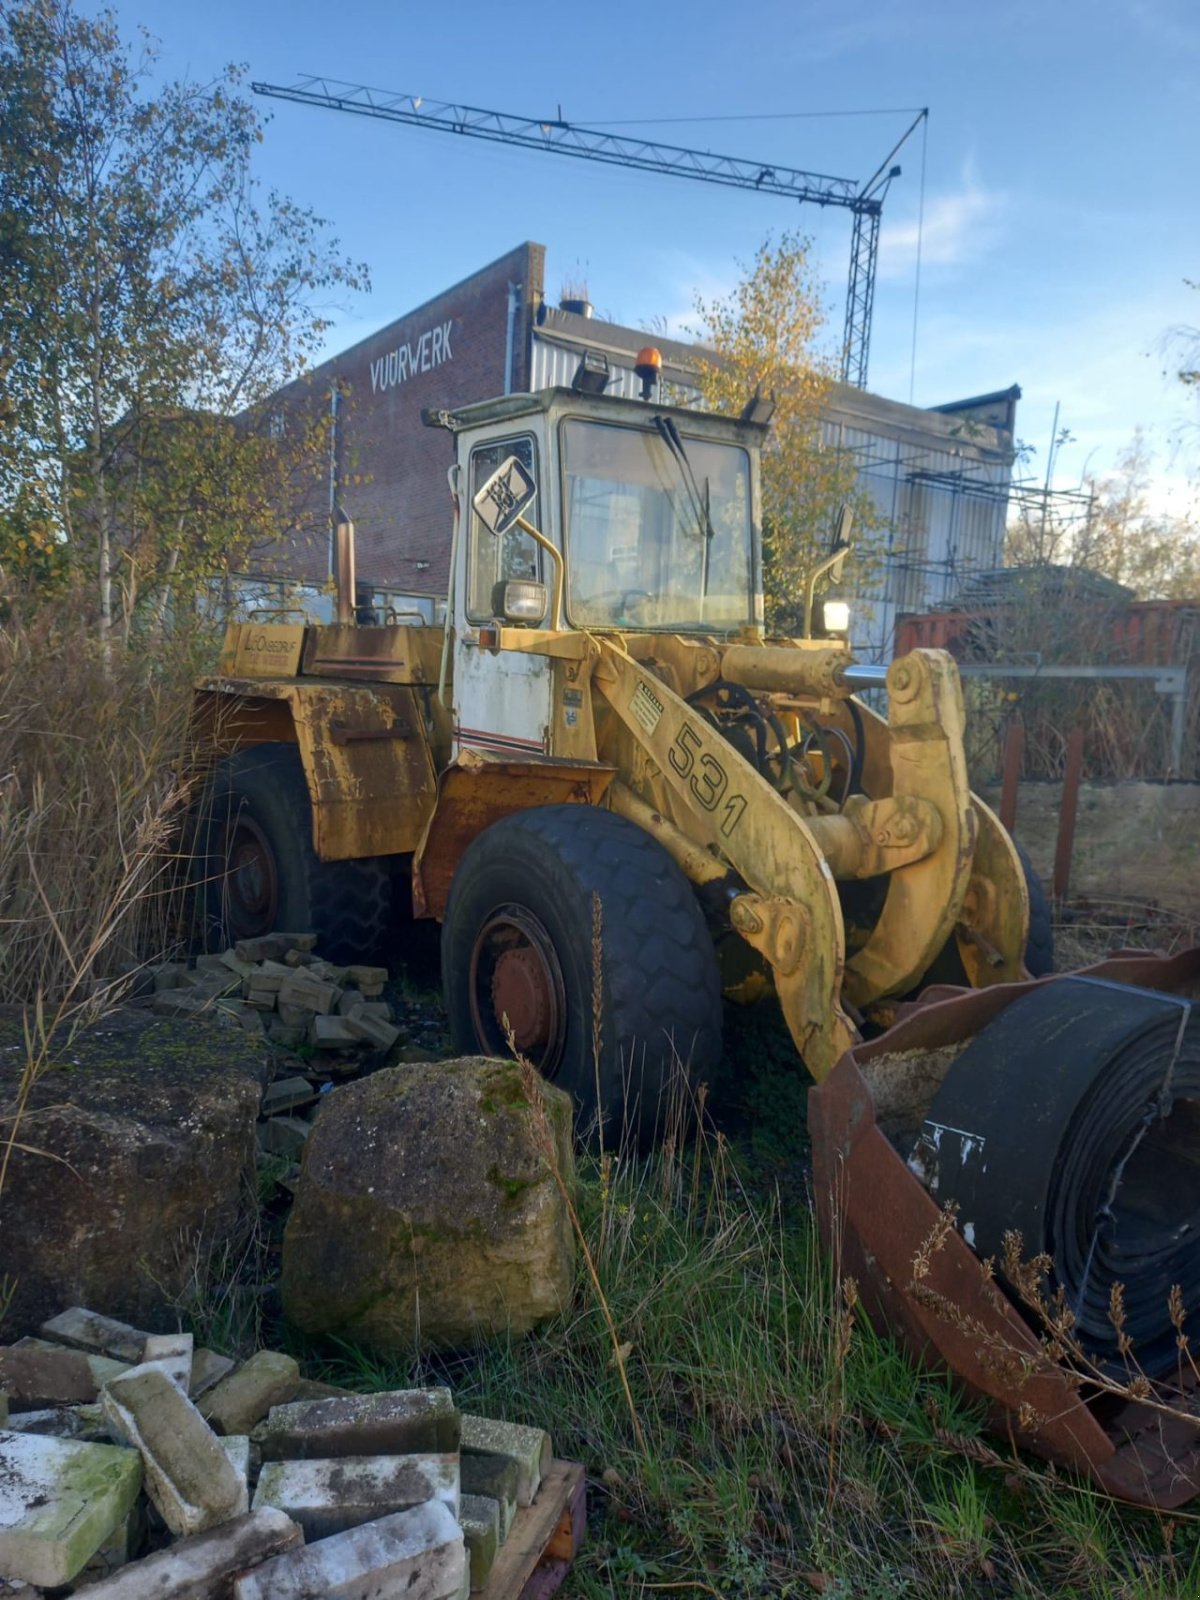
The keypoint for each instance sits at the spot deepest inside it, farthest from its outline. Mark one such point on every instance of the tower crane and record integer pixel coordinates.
(863, 201)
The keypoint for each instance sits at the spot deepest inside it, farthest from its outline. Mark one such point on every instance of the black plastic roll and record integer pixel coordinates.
(1074, 1118)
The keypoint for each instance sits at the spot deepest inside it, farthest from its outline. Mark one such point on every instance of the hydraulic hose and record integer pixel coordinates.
(1074, 1119)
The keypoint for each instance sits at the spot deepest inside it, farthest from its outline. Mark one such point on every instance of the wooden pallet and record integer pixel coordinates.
(544, 1539)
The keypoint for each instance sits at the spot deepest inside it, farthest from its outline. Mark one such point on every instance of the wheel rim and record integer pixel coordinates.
(250, 887)
(515, 973)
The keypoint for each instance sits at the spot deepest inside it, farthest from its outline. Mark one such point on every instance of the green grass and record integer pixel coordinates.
(789, 1449)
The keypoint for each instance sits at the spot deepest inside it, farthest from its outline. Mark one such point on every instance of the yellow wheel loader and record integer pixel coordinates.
(603, 780)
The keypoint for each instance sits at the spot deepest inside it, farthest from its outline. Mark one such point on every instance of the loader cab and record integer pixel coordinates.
(655, 513)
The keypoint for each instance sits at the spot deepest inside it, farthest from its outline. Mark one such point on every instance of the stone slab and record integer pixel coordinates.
(285, 1095)
(479, 1519)
(208, 1368)
(37, 1373)
(371, 1030)
(63, 1422)
(411, 1555)
(88, 1330)
(333, 1033)
(302, 990)
(366, 977)
(284, 1136)
(327, 1497)
(529, 1447)
(240, 1451)
(190, 1479)
(494, 1477)
(173, 1352)
(203, 1567)
(397, 1422)
(60, 1502)
(245, 1397)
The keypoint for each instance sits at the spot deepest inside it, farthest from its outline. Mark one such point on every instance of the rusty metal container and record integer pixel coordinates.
(919, 1280)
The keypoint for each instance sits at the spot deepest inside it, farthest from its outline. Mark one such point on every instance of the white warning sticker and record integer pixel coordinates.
(645, 705)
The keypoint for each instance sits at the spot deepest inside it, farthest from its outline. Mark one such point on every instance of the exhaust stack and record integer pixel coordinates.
(343, 567)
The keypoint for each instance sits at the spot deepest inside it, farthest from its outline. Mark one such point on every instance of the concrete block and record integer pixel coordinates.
(327, 1497)
(298, 958)
(208, 1368)
(241, 1454)
(235, 964)
(268, 947)
(115, 1552)
(285, 1095)
(349, 1001)
(60, 1501)
(528, 1447)
(167, 974)
(311, 993)
(411, 1555)
(284, 1136)
(495, 1478)
(172, 1352)
(366, 977)
(203, 1567)
(88, 1330)
(399, 1422)
(190, 1479)
(37, 1374)
(382, 1035)
(243, 1398)
(295, 1016)
(327, 972)
(63, 1422)
(333, 1033)
(479, 1519)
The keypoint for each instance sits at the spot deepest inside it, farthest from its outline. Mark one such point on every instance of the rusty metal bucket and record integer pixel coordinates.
(878, 1221)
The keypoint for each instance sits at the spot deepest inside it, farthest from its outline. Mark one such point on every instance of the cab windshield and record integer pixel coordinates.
(653, 540)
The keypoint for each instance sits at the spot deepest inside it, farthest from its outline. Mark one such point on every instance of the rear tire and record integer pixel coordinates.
(517, 940)
(1039, 947)
(257, 870)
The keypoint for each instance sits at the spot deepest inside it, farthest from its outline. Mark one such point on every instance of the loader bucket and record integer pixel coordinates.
(920, 1280)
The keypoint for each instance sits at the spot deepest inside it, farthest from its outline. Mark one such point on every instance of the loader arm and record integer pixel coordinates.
(791, 913)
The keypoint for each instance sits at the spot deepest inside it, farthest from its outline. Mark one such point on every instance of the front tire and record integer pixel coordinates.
(517, 941)
(258, 872)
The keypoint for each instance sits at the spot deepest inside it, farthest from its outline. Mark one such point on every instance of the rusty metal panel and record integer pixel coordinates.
(481, 788)
(374, 655)
(262, 650)
(367, 759)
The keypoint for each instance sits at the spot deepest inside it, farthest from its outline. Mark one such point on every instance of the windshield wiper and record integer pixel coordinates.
(669, 434)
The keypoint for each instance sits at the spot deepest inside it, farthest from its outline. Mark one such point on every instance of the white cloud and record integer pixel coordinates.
(956, 227)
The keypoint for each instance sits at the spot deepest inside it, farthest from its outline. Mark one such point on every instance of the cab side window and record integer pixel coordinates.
(489, 560)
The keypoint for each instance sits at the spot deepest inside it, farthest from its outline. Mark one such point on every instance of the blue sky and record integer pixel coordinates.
(1061, 190)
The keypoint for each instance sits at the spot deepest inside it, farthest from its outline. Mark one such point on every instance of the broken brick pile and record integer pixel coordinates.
(277, 987)
(135, 1466)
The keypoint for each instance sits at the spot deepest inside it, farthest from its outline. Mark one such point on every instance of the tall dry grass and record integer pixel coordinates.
(92, 791)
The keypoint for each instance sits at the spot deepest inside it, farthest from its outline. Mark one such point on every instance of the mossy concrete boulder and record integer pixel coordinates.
(427, 1215)
(138, 1160)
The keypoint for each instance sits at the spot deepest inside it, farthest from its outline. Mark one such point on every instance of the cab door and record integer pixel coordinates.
(501, 697)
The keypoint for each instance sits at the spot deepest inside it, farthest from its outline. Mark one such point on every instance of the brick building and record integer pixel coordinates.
(939, 477)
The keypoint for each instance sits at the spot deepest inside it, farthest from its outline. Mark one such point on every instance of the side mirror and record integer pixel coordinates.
(505, 497)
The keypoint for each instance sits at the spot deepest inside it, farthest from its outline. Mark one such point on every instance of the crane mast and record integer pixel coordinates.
(863, 201)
